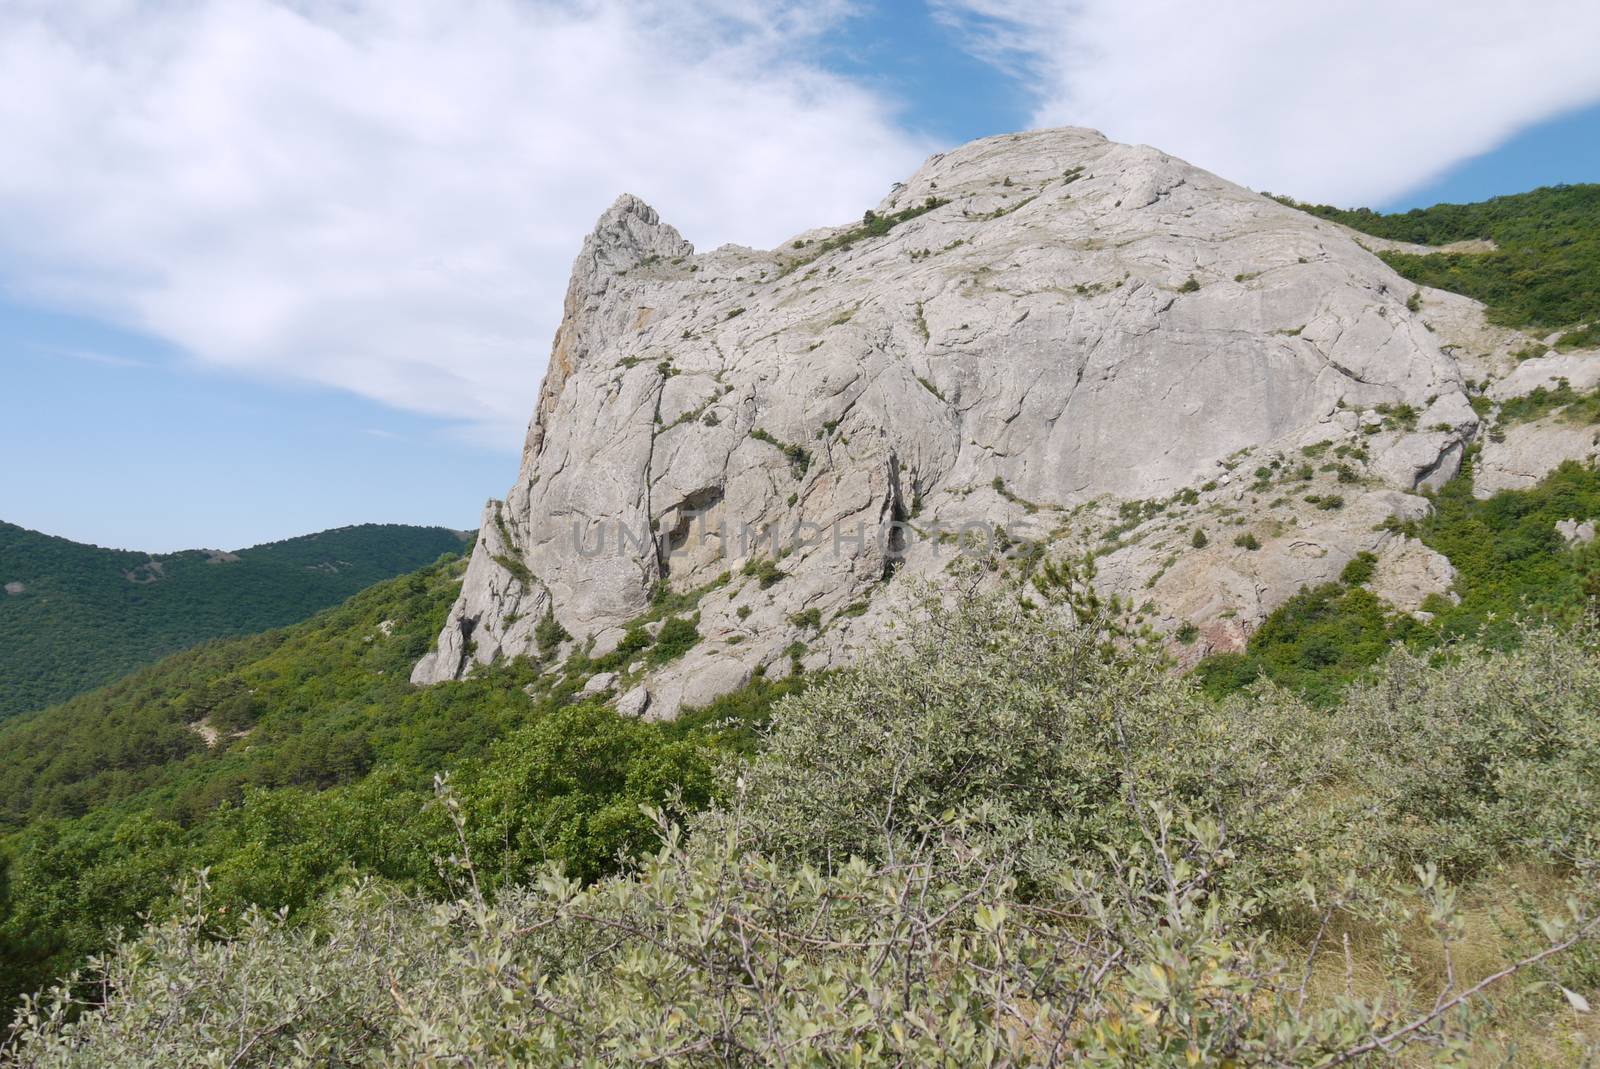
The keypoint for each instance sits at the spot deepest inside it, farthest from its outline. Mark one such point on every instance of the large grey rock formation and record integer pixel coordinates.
(1089, 344)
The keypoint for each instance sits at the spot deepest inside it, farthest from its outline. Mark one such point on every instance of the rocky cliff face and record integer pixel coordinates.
(1090, 345)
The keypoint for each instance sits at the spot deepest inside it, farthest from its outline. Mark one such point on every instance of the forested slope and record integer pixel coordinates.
(290, 760)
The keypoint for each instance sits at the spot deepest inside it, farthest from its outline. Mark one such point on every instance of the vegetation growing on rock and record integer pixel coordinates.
(1017, 836)
(1544, 273)
(1512, 568)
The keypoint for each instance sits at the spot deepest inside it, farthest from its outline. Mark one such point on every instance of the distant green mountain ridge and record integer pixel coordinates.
(75, 616)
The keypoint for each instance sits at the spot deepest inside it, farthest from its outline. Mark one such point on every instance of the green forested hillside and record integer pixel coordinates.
(1544, 274)
(75, 616)
(288, 761)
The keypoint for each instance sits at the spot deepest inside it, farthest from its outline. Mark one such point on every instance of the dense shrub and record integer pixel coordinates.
(676, 637)
(570, 787)
(1315, 642)
(549, 633)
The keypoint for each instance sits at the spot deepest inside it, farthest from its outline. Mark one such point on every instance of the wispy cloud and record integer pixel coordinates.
(89, 356)
(385, 196)
(1353, 101)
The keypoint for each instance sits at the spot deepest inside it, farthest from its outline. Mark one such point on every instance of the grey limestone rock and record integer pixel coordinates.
(1576, 533)
(600, 682)
(635, 702)
(1028, 335)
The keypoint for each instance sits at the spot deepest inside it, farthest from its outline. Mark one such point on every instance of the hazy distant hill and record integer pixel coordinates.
(74, 616)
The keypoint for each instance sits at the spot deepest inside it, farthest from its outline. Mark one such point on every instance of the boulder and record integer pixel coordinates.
(635, 702)
(1576, 533)
(600, 683)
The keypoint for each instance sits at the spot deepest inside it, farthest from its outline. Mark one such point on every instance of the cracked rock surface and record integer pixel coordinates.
(1031, 333)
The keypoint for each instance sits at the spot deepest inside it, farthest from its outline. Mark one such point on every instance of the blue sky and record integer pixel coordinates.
(1565, 148)
(234, 308)
(121, 441)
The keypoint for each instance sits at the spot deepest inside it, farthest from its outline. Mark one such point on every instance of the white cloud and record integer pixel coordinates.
(386, 195)
(1352, 101)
